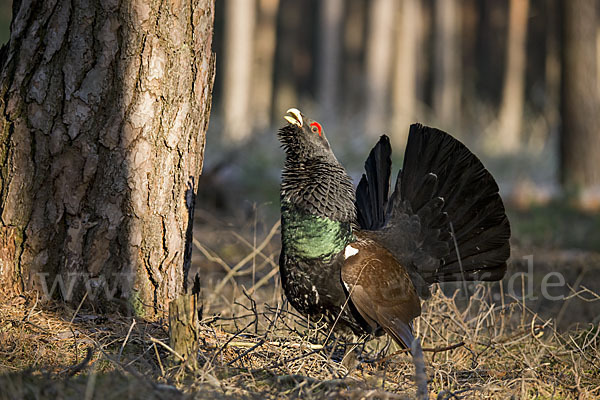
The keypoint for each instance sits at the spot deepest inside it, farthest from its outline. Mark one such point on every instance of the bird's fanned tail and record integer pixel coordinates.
(443, 190)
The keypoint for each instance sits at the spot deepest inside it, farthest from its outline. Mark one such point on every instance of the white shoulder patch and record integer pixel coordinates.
(350, 251)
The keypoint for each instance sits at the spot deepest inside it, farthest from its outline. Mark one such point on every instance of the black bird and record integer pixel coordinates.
(361, 259)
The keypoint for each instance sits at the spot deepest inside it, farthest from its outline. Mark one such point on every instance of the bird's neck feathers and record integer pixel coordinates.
(319, 187)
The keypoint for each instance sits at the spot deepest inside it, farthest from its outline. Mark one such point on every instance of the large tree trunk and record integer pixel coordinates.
(447, 62)
(513, 93)
(103, 113)
(239, 33)
(580, 136)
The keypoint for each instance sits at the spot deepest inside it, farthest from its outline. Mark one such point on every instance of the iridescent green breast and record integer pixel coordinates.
(312, 237)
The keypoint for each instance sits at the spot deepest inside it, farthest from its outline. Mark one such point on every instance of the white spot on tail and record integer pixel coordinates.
(350, 251)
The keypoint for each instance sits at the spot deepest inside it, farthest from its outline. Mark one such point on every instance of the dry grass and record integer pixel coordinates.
(254, 345)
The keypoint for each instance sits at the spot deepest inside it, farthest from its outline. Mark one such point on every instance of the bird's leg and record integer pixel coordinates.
(383, 352)
(354, 354)
(380, 354)
(350, 359)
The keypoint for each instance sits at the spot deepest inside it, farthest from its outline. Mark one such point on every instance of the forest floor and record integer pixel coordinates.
(482, 341)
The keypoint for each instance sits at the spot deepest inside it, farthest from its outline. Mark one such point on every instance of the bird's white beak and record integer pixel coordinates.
(295, 118)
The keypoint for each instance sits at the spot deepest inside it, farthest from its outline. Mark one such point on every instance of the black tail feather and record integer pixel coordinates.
(471, 202)
(373, 190)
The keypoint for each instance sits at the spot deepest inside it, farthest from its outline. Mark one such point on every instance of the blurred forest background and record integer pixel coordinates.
(516, 80)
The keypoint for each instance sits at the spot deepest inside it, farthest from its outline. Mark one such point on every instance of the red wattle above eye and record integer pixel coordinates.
(318, 126)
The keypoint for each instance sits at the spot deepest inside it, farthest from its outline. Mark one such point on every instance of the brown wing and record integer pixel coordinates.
(381, 289)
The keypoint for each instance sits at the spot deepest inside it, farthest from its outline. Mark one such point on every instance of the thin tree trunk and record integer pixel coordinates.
(424, 54)
(469, 20)
(404, 93)
(378, 64)
(447, 61)
(239, 33)
(513, 93)
(552, 69)
(264, 60)
(580, 134)
(289, 57)
(331, 13)
(353, 67)
(103, 114)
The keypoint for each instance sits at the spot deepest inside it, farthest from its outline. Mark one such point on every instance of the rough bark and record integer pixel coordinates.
(513, 93)
(580, 133)
(103, 112)
(239, 33)
(447, 62)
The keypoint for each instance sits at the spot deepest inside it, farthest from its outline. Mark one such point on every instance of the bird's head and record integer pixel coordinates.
(302, 137)
(313, 180)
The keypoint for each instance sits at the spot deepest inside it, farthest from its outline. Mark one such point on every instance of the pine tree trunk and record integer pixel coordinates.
(446, 62)
(239, 33)
(580, 134)
(513, 93)
(103, 113)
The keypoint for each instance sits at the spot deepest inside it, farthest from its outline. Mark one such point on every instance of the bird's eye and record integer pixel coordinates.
(315, 127)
